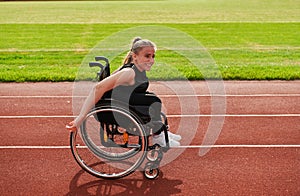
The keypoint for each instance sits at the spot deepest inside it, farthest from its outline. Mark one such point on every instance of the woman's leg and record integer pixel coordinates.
(152, 106)
(150, 100)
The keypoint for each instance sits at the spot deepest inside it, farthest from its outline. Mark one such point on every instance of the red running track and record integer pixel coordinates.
(256, 153)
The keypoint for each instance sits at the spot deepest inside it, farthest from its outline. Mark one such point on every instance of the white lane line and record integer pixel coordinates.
(231, 115)
(36, 96)
(169, 116)
(39, 116)
(117, 49)
(166, 96)
(145, 22)
(191, 146)
(34, 147)
(244, 146)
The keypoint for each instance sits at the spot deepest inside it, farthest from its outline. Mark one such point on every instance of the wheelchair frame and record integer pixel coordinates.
(114, 139)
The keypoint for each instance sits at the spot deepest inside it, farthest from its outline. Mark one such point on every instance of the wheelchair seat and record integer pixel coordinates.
(140, 111)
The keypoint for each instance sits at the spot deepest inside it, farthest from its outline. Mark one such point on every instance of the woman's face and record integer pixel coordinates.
(145, 58)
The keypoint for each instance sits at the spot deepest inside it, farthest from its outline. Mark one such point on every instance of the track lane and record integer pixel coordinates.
(236, 130)
(160, 88)
(172, 105)
(238, 171)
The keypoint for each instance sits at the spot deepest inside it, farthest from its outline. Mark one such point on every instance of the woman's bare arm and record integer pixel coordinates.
(122, 77)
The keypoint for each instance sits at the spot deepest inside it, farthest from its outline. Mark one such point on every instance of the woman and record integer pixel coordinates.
(129, 84)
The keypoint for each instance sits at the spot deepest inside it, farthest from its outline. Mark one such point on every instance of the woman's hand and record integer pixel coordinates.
(71, 127)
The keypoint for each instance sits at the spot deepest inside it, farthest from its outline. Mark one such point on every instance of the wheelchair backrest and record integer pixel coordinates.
(104, 69)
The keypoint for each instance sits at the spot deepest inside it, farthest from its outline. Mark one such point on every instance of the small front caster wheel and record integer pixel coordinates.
(154, 155)
(150, 172)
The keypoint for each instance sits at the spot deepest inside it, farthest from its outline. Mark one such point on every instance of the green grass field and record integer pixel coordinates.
(47, 41)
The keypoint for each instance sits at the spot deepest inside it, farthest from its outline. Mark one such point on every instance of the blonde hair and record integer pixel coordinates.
(137, 45)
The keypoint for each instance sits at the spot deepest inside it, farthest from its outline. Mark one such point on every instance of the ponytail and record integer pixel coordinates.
(128, 59)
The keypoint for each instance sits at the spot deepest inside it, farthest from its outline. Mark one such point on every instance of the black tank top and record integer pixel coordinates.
(123, 93)
(141, 80)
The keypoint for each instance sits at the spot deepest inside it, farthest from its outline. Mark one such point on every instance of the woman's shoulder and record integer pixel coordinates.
(122, 77)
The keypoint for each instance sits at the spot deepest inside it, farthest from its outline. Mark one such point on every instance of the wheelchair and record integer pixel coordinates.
(114, 137)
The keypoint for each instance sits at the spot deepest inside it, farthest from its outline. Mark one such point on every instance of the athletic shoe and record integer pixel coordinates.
(174, 136)
(160, 140)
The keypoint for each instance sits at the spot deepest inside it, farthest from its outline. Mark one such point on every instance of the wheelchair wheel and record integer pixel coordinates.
(110, 149)
(151, 171)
